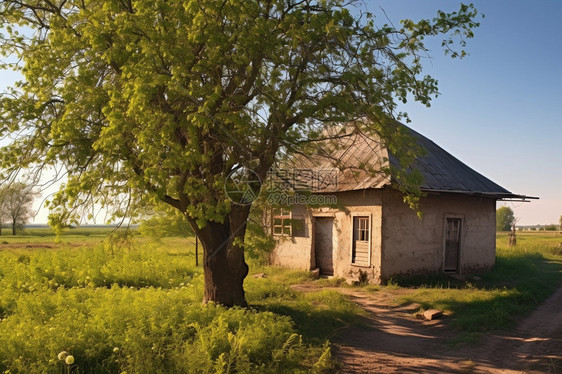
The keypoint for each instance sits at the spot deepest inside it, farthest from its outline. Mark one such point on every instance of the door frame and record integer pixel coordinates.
(446, 217)
(313, 241)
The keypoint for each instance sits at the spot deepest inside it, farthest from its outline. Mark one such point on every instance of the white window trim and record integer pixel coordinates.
(370, 225)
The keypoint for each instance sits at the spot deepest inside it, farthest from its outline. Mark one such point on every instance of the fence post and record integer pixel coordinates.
(196, 251)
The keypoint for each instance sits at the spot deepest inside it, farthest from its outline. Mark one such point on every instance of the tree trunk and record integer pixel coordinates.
(224, 265)
(14, 228)
(512, 236)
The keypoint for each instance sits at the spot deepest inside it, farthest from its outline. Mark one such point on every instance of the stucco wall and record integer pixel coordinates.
(295, 252)
(299, 253)
(411, 245)
(400, 241)
(361, 203)
(292, 253)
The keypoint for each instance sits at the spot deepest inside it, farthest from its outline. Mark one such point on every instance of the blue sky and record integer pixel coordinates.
(500, 109)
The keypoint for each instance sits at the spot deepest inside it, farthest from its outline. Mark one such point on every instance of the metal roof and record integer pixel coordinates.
(359, 161)
(442, 172)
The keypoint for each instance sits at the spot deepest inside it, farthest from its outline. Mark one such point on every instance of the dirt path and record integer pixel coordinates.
(395, 341)
(534, 346)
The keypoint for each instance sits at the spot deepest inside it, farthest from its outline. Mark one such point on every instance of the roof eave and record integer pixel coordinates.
(519, 198)
(503, 196)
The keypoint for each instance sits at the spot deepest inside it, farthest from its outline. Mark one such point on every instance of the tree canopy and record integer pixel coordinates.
(504, 218)
(141, 101)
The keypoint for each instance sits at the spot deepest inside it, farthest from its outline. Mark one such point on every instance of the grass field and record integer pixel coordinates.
(129, 304)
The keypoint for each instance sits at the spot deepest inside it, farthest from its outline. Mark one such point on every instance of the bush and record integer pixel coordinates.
(143, 331)
(134, 310)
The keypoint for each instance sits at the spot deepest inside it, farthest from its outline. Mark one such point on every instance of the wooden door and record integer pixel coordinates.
(452, 244)
(323, 244)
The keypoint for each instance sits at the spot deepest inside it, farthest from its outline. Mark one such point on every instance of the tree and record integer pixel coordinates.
(504, 218)
(152, 100)
(16, 202)
(560, 224)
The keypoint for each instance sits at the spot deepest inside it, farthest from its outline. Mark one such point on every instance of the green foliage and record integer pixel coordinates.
(258, 243)
(504, 218)
(95, 266)
(164, 223)
(73, 233)
(149, 101)
(154, 331)
(137, 309)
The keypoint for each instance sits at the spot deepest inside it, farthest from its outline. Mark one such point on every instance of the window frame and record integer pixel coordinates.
(368, 230)
(285, 216)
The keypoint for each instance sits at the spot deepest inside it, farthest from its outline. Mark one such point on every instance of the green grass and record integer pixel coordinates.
(45, 235)
(316, 314)
(132, 305)
(522, 278)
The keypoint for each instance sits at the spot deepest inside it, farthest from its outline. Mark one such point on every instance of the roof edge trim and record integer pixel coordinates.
(497, 195)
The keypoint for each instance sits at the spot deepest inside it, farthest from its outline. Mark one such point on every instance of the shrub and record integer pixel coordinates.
(135, 310)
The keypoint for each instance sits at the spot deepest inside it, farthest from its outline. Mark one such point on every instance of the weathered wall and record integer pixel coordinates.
(295, 252)
(364, 202)
(411, 245)
(400, 241)
(299, 253)
(292, 252)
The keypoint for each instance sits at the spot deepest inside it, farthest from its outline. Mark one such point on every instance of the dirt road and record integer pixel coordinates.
(395, 341)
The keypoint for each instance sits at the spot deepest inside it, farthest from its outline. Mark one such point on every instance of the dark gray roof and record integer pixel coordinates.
(442, 172)
(362, 161)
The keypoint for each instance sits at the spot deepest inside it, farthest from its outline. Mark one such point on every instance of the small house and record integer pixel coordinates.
(366, 232)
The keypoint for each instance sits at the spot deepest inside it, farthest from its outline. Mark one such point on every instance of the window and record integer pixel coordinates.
(362, 229)
(282, 222)
(298, 226)
(360, 254)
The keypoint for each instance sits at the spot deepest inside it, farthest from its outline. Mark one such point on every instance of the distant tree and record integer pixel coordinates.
(16, 204)
(504, 218)
(560, 223)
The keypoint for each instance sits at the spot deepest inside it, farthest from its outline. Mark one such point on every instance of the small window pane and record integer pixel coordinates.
(281, 222)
